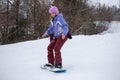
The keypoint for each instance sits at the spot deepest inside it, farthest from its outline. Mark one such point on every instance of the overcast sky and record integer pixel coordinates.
(107, 2)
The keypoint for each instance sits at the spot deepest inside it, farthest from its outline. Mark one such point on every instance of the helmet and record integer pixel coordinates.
(53, 9)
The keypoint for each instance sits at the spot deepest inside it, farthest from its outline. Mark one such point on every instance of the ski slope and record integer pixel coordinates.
(95, 57)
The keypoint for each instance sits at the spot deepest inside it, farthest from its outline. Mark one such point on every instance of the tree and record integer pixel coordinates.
(78, 14)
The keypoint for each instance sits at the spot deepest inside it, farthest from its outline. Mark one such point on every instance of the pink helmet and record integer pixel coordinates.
(53, 9)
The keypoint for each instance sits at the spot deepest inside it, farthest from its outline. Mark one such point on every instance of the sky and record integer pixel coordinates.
(107, 2)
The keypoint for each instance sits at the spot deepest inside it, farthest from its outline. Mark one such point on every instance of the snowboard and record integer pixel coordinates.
(62, 70)
(55, 70)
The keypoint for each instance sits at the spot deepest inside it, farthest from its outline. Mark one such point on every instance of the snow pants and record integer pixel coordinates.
(54, 54)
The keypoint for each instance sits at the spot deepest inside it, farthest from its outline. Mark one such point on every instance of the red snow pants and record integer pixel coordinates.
(54, 54)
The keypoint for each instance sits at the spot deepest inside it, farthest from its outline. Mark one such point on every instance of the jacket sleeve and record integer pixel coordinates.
(64, 25)
(49, 30)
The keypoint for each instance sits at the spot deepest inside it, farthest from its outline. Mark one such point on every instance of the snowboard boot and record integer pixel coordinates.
(58, 65)
(48, 66)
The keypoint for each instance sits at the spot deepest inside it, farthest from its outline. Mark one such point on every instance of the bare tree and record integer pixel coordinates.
(17, 5)
(28, 19)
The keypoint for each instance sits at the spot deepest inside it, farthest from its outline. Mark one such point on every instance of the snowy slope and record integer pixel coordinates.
(94, 57)
(114, 27)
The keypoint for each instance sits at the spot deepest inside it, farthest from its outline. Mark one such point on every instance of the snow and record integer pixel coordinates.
(95, 57)
(114, 27)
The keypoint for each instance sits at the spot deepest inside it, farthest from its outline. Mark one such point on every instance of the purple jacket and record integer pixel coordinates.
(58, 26)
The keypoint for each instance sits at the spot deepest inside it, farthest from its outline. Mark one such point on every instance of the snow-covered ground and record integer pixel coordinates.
(95, 57)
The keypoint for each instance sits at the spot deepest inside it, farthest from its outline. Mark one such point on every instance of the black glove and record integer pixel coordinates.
(69, 35)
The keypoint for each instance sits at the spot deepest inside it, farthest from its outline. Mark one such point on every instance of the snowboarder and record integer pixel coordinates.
(59, 29)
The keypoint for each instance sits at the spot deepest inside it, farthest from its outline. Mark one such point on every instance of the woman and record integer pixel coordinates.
(59, 29)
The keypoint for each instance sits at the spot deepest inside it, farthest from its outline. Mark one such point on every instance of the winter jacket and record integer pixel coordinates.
(58, 26)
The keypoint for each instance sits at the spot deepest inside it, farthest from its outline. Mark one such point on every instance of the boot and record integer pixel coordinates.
(48, 65)
(58, 65)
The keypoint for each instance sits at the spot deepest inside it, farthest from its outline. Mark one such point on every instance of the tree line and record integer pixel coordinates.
(22, 20)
